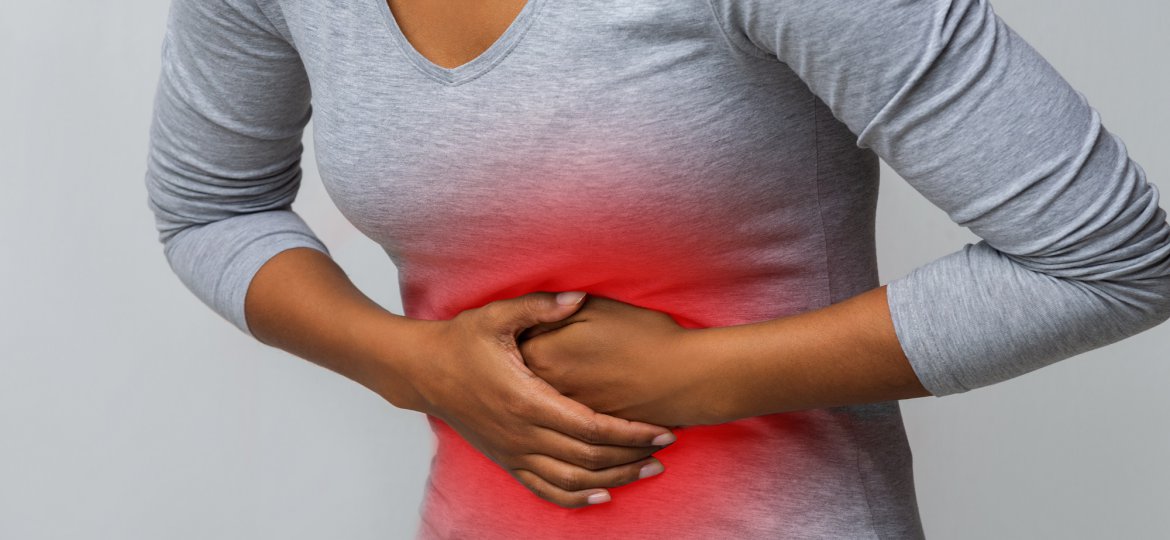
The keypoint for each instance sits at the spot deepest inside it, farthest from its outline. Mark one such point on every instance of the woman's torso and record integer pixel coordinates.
(628, 150)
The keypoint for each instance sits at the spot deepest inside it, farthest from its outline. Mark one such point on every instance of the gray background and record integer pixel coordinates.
(129, 410)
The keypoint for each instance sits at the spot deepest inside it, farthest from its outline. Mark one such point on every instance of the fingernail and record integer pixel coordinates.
(663, 440)
(650, 469)
(598, 498)
(570, 298)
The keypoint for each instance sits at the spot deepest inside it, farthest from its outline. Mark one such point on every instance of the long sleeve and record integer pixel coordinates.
(1074, 251)
(223, 165)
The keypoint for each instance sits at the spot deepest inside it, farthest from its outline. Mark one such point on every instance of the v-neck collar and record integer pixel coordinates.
(477, 66)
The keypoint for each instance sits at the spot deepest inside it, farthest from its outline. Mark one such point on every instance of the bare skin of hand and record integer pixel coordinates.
(469, 373)
(623, 360)
(637, 363)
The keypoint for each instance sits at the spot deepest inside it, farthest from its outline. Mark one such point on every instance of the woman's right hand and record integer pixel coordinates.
(468, 372)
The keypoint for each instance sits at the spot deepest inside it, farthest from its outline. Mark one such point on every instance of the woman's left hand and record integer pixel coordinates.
(625, 361)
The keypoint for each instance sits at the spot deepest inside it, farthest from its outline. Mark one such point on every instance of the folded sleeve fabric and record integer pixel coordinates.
(1075, 249)
(223, 165)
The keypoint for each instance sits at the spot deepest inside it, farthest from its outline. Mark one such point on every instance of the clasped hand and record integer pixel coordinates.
(622, 360)
(568, 398)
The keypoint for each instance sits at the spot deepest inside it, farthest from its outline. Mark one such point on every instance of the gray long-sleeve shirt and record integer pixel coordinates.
(713, 159)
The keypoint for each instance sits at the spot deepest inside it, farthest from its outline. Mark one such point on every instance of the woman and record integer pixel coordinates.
(706, 172)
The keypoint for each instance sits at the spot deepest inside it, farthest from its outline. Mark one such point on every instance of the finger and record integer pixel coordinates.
(572, 478)
(513, 315)
(543, 328)
(578, 421)
(533, 353)
(593, 457)
(560, 497)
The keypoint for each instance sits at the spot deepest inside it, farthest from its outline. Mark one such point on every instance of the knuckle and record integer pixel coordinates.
(540, 491)
(590, 430)
(490, 314)
(512, 443)
(571, 481)
(530, 306)
(515, 408)
(590, 458)
(522, 406)
(527, 479)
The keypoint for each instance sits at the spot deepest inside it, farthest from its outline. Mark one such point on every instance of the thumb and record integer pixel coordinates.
(513, 315)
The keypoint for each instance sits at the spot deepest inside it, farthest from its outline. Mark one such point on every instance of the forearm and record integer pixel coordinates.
(302, 302)
(842, 354)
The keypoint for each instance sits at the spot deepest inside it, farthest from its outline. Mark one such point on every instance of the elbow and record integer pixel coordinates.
(1129, 286)
(1124, 259)
(168, 196)
(169, 219)
(1142, 270)
(1157, 299)
(166, 225)
(1143, 293)
(1137, 282)
(1145, 302)
(182, 199)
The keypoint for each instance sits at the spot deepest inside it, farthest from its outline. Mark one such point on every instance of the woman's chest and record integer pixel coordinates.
(451, 33)
(620, 126)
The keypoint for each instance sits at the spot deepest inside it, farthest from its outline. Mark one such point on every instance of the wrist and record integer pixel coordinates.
(398, 347)
(709, 377)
